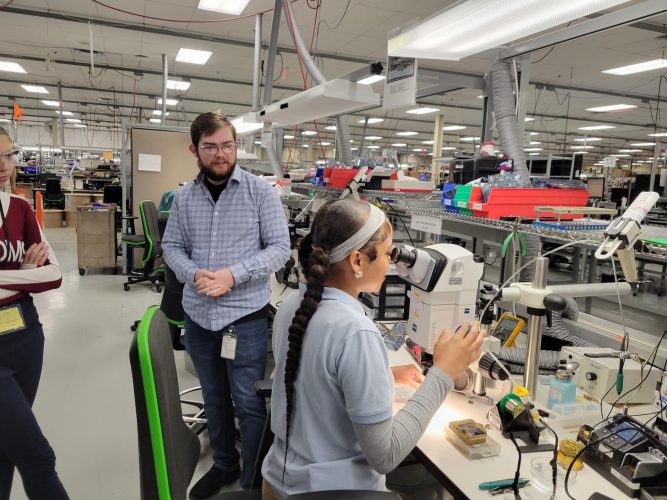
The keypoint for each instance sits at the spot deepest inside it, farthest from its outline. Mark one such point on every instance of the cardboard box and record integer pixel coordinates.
(53, 218)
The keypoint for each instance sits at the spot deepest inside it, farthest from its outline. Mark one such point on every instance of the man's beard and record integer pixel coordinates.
(212, 175)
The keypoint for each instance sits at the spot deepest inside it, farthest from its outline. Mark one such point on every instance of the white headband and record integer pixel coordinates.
(375, 220)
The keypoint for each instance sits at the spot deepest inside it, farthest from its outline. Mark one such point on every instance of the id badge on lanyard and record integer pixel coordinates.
(11, 320)
(228, 350)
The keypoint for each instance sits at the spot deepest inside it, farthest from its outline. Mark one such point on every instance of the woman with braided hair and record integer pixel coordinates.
(333, 388)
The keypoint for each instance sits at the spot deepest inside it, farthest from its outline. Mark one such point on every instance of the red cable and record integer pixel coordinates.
(305, 80)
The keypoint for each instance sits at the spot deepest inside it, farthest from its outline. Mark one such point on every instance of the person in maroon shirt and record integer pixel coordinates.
(27, 265)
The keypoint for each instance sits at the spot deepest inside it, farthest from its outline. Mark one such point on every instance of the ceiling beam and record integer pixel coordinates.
(159, 30)
(145, 71)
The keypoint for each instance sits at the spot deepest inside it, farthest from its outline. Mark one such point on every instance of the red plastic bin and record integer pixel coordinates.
(521, 202)
(340, 177)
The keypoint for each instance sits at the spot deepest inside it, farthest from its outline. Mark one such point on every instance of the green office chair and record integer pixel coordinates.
(168, 449)
(150, 242)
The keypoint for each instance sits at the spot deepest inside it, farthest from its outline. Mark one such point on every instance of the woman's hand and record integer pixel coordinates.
(454, 352)
(37, 254)
(408, 375)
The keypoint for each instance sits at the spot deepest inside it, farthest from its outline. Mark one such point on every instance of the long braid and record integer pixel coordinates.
(316, 274)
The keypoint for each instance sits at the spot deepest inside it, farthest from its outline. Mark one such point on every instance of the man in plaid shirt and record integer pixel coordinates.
(226, 234)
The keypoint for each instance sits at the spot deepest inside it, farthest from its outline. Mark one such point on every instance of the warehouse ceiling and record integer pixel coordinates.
(51, 40)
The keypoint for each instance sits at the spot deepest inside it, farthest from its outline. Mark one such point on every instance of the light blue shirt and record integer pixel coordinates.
(245, 230)
(344, 378)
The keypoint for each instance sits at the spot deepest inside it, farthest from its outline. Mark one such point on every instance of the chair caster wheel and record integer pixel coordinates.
(134, 327)
(126, 288)
(158, 289)
(82, 271)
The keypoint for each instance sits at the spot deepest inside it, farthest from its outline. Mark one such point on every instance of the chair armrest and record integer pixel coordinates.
(263, 388)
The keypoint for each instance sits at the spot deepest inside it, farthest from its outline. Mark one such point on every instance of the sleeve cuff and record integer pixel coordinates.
(28, 266)
(239, 272)
(190, 275)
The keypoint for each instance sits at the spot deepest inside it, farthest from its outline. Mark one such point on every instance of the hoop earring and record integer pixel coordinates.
(358, 274)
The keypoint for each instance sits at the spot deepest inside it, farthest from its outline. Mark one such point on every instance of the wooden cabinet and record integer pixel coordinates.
(96, 238)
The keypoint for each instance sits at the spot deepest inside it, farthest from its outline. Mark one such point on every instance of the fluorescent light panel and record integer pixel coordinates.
(470, 139)
(454, 127)
(659, 134)
(373, 138)
(330, 127)
(532, 149)
(427, 142)
(582, 147)
(308, 132)
(155, 120)
(422, 111)
(65, 113)
(178, 85)
(471, 27)
(193, 56)
(406, 133)
(372, 120)
(638, 68)
(51, 103)
(640, 144)
(170, 102)
(588, 139)
(158, 112)
(11, 67)
(597, 127)
(371, 79)
(288, 137)
(529, 119)
(399, 144)
(449, 148)
(233, 7)
(611, 107)
(73, 120)
(79, 125)
(325, 143)
(373, 147)
(630, 151)
(35, 88)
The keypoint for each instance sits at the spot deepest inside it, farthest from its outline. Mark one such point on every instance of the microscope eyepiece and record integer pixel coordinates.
(403, 255)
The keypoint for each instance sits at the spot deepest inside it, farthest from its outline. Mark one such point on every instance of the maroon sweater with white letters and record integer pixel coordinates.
(17, 234)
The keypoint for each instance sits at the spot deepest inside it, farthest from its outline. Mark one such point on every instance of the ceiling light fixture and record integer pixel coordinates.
(448, 148)
(330, 127)
(597, 127)
(582, 147)
(73, 120)
(35, 88)
(454, 127)
(11, 67)
(308, 132)
(192, 56)
(170, 102)
(470, 139)
(158, 112)
(373, 147)
(155, 120)
(325, 143)
(407, 133)
(535, 143)
(247, 123)
(399, 144)
(529, 119)
(630, 151)
(533, 133)
(288, 137)
(51, 103)
(79, 125)
(588, 139)
(659, 134)
(369, 80)
(422, 111)
(469, 27)
(65, 113)
(532, 149)
(178, 85)
(373, 138)
(427, 142)
(233, 7)
(642, 144)
(638, 68)
(372, 120)
(611, 107)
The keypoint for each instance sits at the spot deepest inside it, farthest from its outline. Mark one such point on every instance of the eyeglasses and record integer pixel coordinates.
(9, 155)
(211, 149)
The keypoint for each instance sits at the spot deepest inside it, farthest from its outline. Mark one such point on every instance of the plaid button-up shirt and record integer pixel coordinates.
(245, 231)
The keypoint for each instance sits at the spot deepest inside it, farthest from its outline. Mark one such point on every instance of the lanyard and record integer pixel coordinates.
(4, 226)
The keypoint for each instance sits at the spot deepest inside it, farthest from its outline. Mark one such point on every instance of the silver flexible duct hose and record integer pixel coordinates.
(505, 111)
(512, 143)
(342, 126)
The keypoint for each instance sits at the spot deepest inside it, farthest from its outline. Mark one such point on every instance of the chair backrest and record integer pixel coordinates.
(172, 306)
(113, 194)
(168, 449)
(149, 221)
(44, 176)
(52, 187)
(166, 201)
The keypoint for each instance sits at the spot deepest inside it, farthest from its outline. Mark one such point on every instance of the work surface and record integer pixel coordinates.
(462, 476)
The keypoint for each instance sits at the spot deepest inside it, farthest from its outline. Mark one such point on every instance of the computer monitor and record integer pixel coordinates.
(596, 188)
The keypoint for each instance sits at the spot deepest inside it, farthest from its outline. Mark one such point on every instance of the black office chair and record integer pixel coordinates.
(113, 194)
(45, 176)
(168, 449)
(150, 242)
(53, 195)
